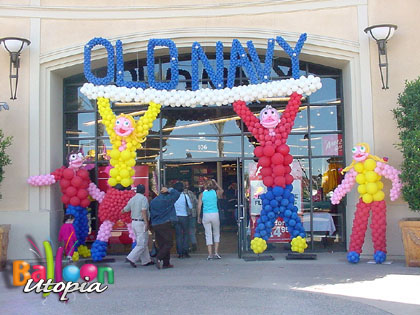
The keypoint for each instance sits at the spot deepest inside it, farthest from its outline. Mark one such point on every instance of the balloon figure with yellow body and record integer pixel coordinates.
(126, 136)
(367, 170)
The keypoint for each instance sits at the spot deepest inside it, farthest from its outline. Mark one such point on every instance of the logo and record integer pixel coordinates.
(41, 280)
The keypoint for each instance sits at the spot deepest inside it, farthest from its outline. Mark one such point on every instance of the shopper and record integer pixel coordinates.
(162, 215)
(208, 199)
(139, 208)
(193, 217)
(183, 210)
(67, 236)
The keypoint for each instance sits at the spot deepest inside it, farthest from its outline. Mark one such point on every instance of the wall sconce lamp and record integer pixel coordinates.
(381, 33)
(14, 46)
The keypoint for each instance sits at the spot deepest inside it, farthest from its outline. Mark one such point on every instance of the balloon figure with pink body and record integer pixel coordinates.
(271, 131)
(367, 170)
(76, 187)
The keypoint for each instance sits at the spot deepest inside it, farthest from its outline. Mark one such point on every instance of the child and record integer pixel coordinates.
(67, 236)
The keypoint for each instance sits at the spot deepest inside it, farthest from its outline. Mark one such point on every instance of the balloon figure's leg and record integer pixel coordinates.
(279, 202)
(357, 237)
(132, 235)
(99, 247)
(81, 227)
(378, 227)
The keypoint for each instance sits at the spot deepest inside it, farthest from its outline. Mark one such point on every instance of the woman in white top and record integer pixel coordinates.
(208, 199)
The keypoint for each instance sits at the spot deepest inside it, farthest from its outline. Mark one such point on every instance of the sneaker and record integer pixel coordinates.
(158, 263)
(217, 256)
(131, 263)
(149, 263)
(209, 258)
(168, 266)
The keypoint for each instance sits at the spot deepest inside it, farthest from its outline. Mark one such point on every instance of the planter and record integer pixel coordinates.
(410, 229)
(4, 243)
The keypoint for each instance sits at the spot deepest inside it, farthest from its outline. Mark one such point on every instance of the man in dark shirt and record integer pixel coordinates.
(162, 214)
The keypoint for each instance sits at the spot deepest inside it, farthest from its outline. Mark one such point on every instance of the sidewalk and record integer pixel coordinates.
(328, 285)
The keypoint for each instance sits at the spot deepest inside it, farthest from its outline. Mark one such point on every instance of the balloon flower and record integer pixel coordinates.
(272, 130)
(76, 187)
(367, 170)
(126, 136)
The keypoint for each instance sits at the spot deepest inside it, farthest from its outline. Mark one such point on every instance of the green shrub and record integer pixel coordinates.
(407, 115)
(4, 157)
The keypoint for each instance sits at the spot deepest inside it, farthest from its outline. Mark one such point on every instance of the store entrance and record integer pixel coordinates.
(227, 174)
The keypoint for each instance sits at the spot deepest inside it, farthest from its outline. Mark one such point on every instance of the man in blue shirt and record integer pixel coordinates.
(162, 214)
(183, 208)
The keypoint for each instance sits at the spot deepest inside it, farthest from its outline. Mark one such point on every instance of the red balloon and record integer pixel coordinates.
(76, 181)
(266, 171)
(264, 161)
(268, 181)
(288, 159)
(68, 173)
(71, 191)
(74, 201)
(283, 149)
(261, 130)
(82, 194)
(267, 137)
(85, 203)
(280, 181)
(289, 179)
(65, 199)
(83, 174)
(278, 170)
(269, 150)
(64, 183)
(287, 169)
(269, 143)
(258, 151)
(277, 159)
(85, 184)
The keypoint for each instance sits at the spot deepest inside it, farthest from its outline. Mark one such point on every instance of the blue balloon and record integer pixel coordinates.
(269, 195)
(295, 233)
(268, 208)
(269, 188)
(292, 198)
(266, 237)
(284, 202)
(263, 233)
(263, 212)
(276, 210)
(274, 203)
(298, 226)
(261, 226)
(271, 215)
(286, 194)
(279, 198)
(287, 213)
(257, 234)
(277, 191)
(262, 196)
(294, 216)
(282, 209)
(295, 209)
(71, 273)
(292, 222)
(266, 202)
(289, 187)
(269, 225)
(302, 234)
(264, 218)
(290, 206)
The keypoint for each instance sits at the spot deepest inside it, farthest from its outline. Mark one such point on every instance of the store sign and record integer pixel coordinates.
(332, 144)
(256, 71)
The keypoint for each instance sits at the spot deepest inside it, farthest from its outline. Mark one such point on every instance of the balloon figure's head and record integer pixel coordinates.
(269, 117)
(75, 159)
(360, 152)
(124, 125)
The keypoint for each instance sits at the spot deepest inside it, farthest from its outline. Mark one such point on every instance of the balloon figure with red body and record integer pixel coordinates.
(76, 187)
(367, 170)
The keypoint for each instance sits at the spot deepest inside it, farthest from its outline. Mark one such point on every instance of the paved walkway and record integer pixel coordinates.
(328, 285)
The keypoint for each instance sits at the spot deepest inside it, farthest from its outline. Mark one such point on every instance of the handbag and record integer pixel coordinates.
(154, 250)
(189, 210)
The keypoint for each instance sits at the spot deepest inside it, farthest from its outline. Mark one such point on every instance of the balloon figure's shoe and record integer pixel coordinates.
(353, 257)
(379, 257)
(98, 250)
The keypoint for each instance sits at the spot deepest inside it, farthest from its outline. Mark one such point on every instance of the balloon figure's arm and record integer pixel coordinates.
(345, 187)
(95, 192)
(145, 123)
(108, 117)
(248, 117)
(287, 119)
(46, 180)
(392, 174)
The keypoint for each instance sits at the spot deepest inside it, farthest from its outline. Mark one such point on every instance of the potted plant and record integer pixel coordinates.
(407, 115)
(4, 228)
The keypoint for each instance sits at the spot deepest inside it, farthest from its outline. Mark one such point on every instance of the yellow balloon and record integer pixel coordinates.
(113, 172)
(125, 174)
(126, 182)
(371, 176)
(370, 164)
(380, 185)
(360, 179)
(113, 162)
(358, 167)
(379, 196)
(367, 198)
(125, 155)
(112, 182)
(362, 189)
(371, 188)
